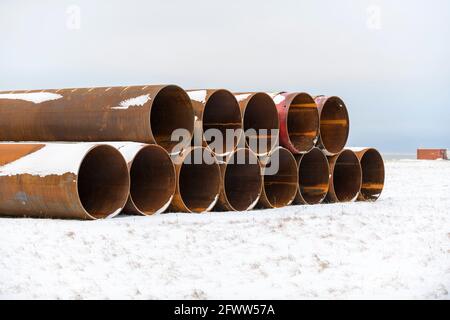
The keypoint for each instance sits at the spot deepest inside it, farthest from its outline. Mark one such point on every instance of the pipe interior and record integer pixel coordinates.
(222, 113)
(260, 118)
(199, 183)
(313, 176)
(334, 125)
(243, 180)
(303, 122)
(372, 167)
(103, 181)
(281, 187)
(152, 179)
(347, 176)
(171, 110)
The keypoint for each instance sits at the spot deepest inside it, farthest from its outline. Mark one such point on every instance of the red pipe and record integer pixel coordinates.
(299, 121)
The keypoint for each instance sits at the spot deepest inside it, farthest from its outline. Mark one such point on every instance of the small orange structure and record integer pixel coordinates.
(432, 154)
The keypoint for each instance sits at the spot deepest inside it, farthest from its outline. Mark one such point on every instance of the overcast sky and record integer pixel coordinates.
(388, 60)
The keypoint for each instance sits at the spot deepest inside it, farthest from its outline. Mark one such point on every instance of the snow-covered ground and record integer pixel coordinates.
(398, 247)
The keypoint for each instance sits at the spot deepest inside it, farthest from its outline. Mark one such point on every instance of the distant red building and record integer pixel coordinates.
(432, 154)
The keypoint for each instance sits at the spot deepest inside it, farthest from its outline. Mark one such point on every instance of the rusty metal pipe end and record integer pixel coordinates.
(171, 109)
(313, 177)
(103, 182)
(346, 177)
(216, 110)
(198, 181)
(279, 189)
(334, 124)
(242, 181)
(260, 118)
(372, 167)
(153, 181)
(299, 121)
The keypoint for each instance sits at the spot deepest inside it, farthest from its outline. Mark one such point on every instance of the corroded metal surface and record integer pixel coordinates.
(241, 181)
(198, 181)
(259, 113)
(152, 174)
(313, 177)
(279, 189)
(372, 168)
(216, 109)
(54, 180)
(146, 114)
(334, 124)
(346, 177)
(299, 121)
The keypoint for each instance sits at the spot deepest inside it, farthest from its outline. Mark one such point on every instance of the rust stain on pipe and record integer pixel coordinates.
(372, 167)
(259, 113)
(241, 181)
(313, 177)
(299, 121)
(146, 114)
(198, 181)
(55, 180)
(280, 189)
(346, 177)
(334, 124)
(216, 109)
(152, 176)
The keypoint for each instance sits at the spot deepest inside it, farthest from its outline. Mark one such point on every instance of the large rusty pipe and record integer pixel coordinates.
(345, 179)
(279, 189)
(334, 124)
(56, 180)
(241, 181)
(313, 177)
(152, 175)
(372, 167)
(216, 111)
(147, 114)
(260, 121)
(198, 181)
(299, 121)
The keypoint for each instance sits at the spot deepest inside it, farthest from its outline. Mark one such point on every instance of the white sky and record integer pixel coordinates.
(389, 60)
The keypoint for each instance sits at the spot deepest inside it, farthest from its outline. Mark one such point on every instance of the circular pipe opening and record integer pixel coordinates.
(199, 180)
(372, 167)
(152, 180)
(346, 176)
(303, 122)
(171, 110)
(243, 180)
(260, 118)
(222, 113)
(334, 125)
(313, 177)
(281, 188)
(103, 182)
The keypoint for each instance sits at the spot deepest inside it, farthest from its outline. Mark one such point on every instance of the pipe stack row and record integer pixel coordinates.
(93, 153)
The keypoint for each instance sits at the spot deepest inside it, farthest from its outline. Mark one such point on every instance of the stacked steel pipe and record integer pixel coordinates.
(96, 152)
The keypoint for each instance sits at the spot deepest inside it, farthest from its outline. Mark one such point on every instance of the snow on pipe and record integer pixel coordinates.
(345, 179)
(241, 183)
(152, 175)
(299, 121)
(62, 180)
(198, 181)
(279, 189)
(313, 177)
(260, 118)
(334, 124)
(216, 110)
(147, 114)
(372, 167)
